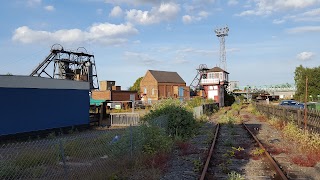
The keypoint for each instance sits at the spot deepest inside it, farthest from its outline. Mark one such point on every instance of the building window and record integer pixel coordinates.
(152, 92)
(145, 90)
(210, 76)
(216, 75)
(220, 76)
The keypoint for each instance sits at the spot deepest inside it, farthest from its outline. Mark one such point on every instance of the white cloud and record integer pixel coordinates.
(304, 56)
(140, 58)
(195, 51)
(267, 7)
(278, 21)
(303, 29)
(203, 14)
(308, 16)
(164, 12)
(187, 19)
(180, 61)
(232, 2)
(49, 8)
(135, 2)
(116, 12)
(103, 33)
(33, 3)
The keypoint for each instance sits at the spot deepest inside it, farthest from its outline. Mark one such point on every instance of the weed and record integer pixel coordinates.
(258, 152)
(231, 153)
(235, 176)
(197, 164)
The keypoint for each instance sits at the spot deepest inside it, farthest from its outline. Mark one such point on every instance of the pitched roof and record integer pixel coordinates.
(166, 76)
(217, 69)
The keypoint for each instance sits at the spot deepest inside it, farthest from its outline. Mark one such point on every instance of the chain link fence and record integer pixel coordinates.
(98, 154)
(85, 155)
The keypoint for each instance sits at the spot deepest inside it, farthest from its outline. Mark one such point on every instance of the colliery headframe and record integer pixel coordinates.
(76, 65)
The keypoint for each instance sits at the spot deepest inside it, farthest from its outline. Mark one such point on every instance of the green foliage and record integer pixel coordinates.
(258, 151)
(195, 102)
(180, 121)
(235, 176)
(155, 140)
(313, 75)
(197, 164)
(236, 107)
(136, 85)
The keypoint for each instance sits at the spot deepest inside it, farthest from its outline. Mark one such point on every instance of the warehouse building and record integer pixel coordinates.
(34, 103)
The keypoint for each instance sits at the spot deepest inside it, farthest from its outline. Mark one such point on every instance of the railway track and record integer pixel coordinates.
(236, 152)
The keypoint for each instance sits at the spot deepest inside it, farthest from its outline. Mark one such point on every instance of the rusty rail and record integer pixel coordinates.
(205, 168)
(275, 165)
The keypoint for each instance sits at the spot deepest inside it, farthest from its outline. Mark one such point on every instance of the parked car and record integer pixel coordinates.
(291, 103)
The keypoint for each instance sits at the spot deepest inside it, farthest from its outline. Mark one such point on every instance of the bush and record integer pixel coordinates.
(180, 121)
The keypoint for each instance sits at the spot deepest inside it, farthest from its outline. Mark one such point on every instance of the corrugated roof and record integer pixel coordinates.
(166, 76)
(217, 69)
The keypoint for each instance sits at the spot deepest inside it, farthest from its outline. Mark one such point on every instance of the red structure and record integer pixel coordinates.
(214, 84)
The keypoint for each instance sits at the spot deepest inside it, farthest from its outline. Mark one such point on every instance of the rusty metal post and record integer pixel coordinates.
(305, 106)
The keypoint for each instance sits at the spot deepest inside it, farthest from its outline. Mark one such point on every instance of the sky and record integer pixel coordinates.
(267, 39)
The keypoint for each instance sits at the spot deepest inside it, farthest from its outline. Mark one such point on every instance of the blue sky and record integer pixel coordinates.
(267, 38)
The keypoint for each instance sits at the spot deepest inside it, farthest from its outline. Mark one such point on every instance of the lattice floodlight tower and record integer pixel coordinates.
(76, 65)
(221, 33)
(201, 74)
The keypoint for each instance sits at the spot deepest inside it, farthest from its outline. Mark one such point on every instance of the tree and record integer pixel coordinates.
(313, 75)
(136, 85)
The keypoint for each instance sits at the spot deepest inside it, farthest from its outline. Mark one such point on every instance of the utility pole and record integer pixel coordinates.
(305, 106)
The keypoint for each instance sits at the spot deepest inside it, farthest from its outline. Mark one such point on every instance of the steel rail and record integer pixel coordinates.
(275, 165)
(205, 168)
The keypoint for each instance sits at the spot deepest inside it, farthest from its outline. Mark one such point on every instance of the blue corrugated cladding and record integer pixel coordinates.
(27, 109)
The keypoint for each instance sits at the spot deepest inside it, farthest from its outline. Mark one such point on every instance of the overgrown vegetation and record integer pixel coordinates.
(306, 143)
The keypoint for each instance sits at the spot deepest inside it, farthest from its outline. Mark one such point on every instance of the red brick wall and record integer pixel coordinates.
(101, 95)
(123, 95)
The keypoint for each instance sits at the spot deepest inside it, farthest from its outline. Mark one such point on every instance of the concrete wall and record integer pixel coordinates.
(33, 103)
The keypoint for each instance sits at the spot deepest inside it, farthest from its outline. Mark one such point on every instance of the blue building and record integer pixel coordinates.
(30, 103)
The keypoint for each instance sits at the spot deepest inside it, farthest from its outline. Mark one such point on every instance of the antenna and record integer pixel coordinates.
(221, 33)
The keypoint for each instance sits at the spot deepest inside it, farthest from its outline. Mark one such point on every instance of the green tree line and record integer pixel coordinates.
(313, 75)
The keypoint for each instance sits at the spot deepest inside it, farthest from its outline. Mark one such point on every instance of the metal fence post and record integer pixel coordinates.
(63, 159)
(131, 142)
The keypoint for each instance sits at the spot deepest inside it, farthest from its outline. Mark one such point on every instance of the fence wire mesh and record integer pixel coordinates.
(85, 155)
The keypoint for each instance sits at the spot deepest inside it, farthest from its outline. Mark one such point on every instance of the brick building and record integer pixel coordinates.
(157, 85)
(108, 91)
(215, 82)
